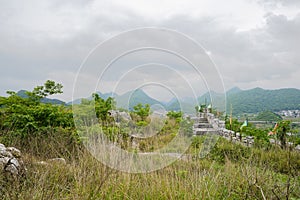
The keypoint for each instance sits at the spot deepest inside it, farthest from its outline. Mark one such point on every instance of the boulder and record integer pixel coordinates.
(10, 161)
(14, 151)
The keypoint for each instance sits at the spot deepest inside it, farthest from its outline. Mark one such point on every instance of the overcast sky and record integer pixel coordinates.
(254, 43)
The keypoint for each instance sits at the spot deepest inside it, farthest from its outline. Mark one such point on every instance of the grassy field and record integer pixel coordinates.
(230, 171)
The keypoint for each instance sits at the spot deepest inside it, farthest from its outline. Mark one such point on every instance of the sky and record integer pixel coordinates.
(249, 43)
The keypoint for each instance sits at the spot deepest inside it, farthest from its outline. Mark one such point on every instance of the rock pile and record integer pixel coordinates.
(10, 161)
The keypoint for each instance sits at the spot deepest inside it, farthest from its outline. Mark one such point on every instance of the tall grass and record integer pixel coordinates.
(224, 174)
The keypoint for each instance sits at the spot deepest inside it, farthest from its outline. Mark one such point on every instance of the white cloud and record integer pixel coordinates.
(254, 43)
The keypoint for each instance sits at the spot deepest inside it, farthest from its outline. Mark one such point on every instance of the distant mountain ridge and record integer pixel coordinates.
(132, 98)
(22, 93)
(242, 101)
(258, 100)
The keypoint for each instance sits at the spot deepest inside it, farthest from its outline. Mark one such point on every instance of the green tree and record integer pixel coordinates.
(142, 111)
(25, 121)
(283, 127)
(234, 126)
(49, 88)
(103, 107)
(175, 115)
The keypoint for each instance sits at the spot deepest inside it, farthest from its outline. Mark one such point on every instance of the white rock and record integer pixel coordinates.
(12, 169)
(5, 154)
(9, 161)
(3, 162)
(2, 147)
(15, 162)
(14, 151)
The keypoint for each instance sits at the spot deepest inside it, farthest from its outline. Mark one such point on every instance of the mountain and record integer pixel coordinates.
(132, 98)
(22, 93)
(185, 105)
(106, 95)
(218, 100)
(233, 90)
(255, 100)
(243, 101)
(258, 100)
(102, 95)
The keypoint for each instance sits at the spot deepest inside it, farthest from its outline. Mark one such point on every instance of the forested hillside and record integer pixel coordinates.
(242, 101)
(257, 100)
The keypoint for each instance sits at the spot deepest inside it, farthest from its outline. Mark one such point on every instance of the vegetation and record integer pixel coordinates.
(29, 124)
(243, 101)
(230, 171)
(268, 116)
(102, 107)
(258, 100)
(141, 112)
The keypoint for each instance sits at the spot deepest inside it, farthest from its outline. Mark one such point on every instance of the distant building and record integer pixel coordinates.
(289, 113)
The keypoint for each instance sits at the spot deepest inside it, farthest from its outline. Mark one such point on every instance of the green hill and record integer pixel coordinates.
(257, 100)
(267, 116)
(243, 101)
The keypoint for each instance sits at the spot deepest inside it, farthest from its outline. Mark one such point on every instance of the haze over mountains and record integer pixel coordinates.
(242, 101)
(22, 93)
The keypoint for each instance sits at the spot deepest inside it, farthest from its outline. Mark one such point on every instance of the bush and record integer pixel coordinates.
(234, 152)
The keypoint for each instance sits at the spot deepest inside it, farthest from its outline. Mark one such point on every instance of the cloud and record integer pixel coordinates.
(49, 39)
(248, 56)
(280, 2)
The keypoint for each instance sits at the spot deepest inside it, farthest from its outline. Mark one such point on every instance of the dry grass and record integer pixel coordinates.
(86, 178)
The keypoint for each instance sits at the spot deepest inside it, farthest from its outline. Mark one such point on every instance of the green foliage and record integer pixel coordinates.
(261, 138)
(175, 115)
(234, 125)
(197, 142)
(24, 119)
(45, 131)
(224, 149)
(258, 100)
(268, 116)
(283, 127)
(141, 111)
(49, 88)
(103, 106)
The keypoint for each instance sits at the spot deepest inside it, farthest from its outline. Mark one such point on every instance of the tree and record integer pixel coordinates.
(49, 88)
(234, 126)
(142, 111)
(283, 128)
(175, 115)
(103, 106)
(28, 123)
